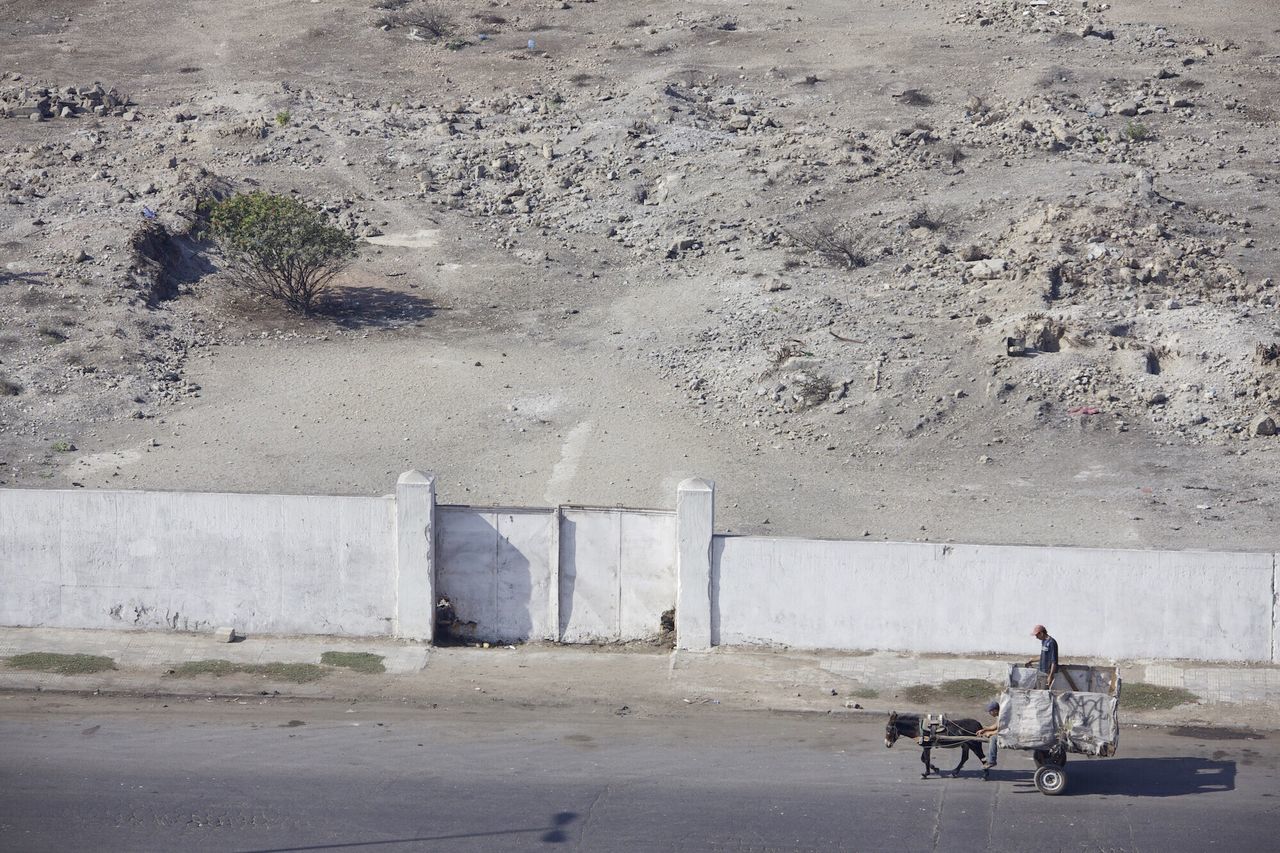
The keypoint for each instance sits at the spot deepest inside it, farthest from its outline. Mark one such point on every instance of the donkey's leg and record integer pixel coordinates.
(924, 758)
(964, 756)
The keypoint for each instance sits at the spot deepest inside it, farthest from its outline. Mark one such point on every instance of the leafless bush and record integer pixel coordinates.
(836, 243)
(1054, 75)
(811, 390)
(431, 21)
(637, 23)
(389, 5)
(490, 19)
(914, 98)
(922, 217)
(9, 388)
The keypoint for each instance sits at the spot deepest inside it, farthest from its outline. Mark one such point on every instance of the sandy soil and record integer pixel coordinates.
(586, 274)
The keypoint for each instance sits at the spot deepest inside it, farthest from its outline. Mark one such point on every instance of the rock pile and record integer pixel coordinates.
(46, 102)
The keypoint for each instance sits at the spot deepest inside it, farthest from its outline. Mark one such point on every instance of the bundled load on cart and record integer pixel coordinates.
(1078, 713)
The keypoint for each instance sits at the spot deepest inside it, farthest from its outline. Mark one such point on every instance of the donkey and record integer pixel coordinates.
(908, 725)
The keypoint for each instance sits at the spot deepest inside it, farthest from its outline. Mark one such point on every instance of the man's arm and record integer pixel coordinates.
(1053, 660)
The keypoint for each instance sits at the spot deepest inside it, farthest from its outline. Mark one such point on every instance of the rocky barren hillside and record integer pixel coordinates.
(997, 271)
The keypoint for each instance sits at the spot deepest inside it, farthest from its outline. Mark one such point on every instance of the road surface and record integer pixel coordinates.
(108, 774)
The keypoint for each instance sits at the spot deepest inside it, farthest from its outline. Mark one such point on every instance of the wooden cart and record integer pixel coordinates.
(1078, 714)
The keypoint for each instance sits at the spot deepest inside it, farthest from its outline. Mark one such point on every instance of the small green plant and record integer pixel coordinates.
(920, 694)
(358, 661)
(1135, 131)
(298, 673)
(280, 247)
(960, 689)
(62, 447)
(865, 693)
(1138, 696)
(973, 689)
(62, 664)
(283, 118)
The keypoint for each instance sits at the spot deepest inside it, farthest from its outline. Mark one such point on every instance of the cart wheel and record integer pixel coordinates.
(1051, 780)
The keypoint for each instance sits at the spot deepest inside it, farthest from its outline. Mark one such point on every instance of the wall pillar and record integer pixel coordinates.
(415, 614)
(695, 522)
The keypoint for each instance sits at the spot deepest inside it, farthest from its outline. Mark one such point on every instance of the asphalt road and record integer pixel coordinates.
(92, 773)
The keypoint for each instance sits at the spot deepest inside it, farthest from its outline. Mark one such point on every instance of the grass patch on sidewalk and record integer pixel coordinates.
(1139, 696)
(965, 689)
(297, 673)
(973, 689)
(366, 662)
(62, 664)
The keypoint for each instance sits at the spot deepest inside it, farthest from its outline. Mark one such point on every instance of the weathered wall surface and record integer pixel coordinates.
(495, 568)
(970, 598)
(376, 566)
(189, 561)
(617, 574)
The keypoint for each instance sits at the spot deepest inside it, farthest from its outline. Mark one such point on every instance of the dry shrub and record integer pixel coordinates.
(811, 390)
(837, 243)
(428, 19)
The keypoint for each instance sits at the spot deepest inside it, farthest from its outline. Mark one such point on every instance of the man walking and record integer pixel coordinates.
(1048, 662)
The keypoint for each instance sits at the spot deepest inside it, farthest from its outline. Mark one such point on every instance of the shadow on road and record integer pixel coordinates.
(1152, 777)
(1140, 777)
(553, 834)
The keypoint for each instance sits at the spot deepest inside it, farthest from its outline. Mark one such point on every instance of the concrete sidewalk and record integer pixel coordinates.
(550, 675)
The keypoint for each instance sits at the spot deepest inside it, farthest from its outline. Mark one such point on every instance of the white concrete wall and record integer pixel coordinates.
(970, 598)
(373, 566)
(494, 566)
(261, 563)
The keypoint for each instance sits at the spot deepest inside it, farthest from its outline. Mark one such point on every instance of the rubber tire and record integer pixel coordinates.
(1051, 780)
(1050, 757)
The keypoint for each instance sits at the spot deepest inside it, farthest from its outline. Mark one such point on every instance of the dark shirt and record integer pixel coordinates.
(1048, 653)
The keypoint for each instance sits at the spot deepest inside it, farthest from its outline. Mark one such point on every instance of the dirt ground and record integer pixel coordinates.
(971, 271)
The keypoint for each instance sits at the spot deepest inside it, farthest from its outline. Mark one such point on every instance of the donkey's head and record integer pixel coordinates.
(891, 730)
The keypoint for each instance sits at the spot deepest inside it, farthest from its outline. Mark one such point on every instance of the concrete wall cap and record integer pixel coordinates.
(415, 477)
(697, 484)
